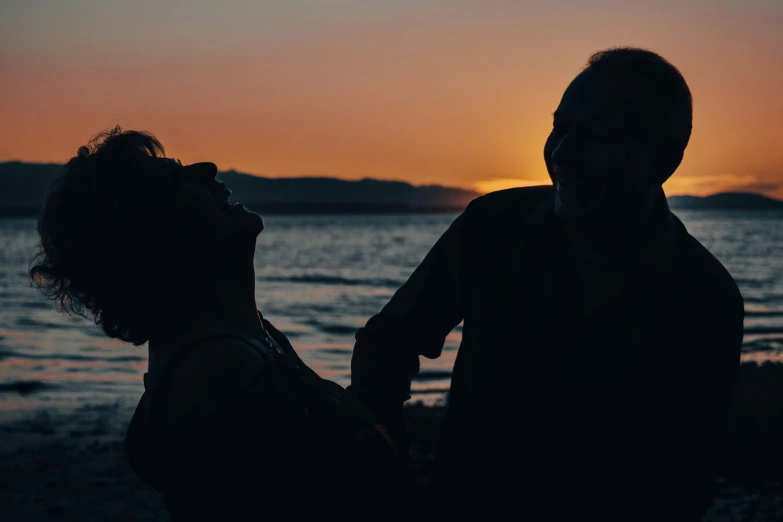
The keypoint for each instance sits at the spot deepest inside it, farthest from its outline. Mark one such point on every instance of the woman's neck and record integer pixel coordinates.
(225, 304)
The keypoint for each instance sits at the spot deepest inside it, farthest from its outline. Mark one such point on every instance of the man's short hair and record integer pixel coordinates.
(656, 81)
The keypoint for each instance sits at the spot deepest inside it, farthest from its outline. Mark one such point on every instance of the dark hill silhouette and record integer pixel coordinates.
(324, 193)
(23, 187)
(726, 201)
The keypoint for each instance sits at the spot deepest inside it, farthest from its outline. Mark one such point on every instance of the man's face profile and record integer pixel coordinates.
(598, 153)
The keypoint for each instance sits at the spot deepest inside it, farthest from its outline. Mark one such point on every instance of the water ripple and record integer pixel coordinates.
(72, 357)
(24, 387)
(315, 279)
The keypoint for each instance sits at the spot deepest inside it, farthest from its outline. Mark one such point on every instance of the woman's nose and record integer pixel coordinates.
(205, 170)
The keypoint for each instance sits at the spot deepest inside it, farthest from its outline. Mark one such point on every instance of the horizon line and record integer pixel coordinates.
(524, 183)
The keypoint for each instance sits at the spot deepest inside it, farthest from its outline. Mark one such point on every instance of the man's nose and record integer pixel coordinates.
(564, 157)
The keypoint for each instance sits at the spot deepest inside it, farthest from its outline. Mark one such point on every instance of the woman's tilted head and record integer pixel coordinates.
(128, 236)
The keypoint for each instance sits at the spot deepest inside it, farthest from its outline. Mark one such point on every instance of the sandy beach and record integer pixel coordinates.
(72, 467)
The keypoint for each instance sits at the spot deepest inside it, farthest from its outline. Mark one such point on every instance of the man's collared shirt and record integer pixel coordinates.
(554, 375)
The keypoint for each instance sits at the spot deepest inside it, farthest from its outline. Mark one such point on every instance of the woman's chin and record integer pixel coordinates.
(245, 221)
(254, 223)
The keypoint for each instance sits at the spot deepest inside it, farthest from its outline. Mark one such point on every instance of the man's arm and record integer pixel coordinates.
(415, 322)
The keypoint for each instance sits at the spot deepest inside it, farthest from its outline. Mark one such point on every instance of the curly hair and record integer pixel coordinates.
(106, 241)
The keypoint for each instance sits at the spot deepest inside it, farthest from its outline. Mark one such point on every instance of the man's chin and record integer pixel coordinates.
(570, 215)
(571, 209)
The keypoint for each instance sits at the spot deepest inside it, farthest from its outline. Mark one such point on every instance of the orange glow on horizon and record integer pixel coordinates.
(456, 94)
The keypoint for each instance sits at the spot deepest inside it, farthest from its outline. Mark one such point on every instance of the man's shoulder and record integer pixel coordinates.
(516, 202)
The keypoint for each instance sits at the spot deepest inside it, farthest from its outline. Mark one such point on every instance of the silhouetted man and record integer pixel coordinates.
(601, 341)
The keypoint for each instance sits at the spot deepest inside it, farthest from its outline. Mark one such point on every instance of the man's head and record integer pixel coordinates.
(619, 133)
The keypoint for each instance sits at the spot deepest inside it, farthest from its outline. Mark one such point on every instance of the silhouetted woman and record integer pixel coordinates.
(232, 424)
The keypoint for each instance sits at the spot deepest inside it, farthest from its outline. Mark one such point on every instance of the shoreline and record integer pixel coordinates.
(72, 465)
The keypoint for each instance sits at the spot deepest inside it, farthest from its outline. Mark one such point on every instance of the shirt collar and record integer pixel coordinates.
(658, 249)
(544, 214)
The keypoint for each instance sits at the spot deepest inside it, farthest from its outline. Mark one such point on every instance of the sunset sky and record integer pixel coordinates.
(426, 91)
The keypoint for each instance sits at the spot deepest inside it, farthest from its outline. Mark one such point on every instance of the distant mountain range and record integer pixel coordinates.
(23, 187)
(726, 201)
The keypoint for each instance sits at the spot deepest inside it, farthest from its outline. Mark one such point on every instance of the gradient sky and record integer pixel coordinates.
(427, 91)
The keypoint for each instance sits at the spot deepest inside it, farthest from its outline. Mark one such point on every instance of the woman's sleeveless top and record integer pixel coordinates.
(293, 439)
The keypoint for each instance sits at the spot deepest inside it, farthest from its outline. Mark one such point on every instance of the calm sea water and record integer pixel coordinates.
(319, 279)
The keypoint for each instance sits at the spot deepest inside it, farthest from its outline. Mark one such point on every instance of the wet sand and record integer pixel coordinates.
(72, 467)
